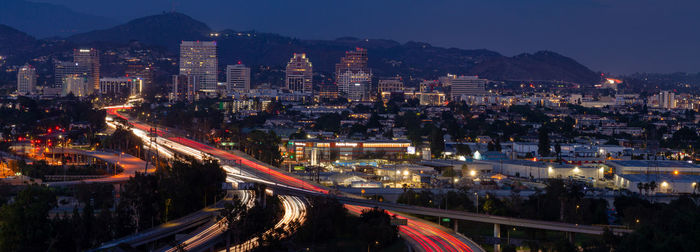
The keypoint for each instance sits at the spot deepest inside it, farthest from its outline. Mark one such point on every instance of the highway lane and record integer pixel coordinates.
(294, 210)
(424, 235)
(198, 149)
(259, 167)
(485, 218)
(169, 228)
(128, 163)
(213, 229)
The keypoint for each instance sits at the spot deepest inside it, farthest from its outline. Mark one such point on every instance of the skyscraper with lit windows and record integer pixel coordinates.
(353, 75)
(299, 74)
(198, 58)
(237, 78)
(26, 80)
(91, 59)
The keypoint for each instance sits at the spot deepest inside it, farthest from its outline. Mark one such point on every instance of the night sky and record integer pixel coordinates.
(617, 36)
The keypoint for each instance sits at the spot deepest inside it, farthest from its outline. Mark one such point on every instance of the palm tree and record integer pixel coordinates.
(640, 186)
(646, 188)
(653, 186)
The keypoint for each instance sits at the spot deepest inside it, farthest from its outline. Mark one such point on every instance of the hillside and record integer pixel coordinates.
(386, 57)
(13, 41)
(164, 30)
(48, 20)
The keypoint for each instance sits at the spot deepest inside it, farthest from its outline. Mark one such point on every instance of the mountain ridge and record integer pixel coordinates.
(44, 20)
(386, 57)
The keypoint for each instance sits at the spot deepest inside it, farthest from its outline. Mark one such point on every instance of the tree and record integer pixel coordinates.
(640, 186)
(263, 146)
(652, 186)
(24, 223)
(375, 228)
(326, 219)
(328, 122)
(410, 197)
(373, 121)
(463, 149)
(232, 213)
(449, 172)
(543, 147)
(437, 142)
(300, 134)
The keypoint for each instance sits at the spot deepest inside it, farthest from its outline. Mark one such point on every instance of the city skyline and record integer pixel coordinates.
(164, 133)
(621, 37)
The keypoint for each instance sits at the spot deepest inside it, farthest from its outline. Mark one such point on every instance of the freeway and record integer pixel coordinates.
(294, 210)
(485, 218)
(128, 163)
(205, 237)
(169, 228)
(426, 236)
(200, 238)
(289, 181)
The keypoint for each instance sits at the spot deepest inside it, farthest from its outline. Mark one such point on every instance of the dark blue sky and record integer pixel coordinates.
(618, 36)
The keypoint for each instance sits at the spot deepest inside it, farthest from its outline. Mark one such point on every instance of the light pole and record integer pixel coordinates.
(477, 201)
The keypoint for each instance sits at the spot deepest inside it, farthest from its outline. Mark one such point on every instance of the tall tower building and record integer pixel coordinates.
(26, 80)
(299, 74)
(76, 84)
(91, 59)
(65, 68)
(352, 69)
(354, 61)
(237, 78)
(198, 58)
(667, 100)
(355, 85)
(468, 86)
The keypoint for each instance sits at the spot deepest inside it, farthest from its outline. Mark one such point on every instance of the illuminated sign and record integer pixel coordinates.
(411, 150)
(346, 144)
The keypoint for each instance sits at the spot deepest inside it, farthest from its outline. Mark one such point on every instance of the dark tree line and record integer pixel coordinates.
(146, 201)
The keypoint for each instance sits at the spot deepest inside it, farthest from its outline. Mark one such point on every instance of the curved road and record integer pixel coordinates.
(128, 163)
(427, 236)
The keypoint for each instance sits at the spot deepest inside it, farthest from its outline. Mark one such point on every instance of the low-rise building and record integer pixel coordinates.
(341, 149)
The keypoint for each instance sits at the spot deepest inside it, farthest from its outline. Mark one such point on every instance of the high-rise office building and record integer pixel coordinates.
(299, 74)
(390, 85)
(358, 91)
(237, 78)
(64, 68)
(26, 80)
(90, 58)
(183, 88)
(198, 58)
(468, 86)
(353, 69)
(76, 84)
(667, 100)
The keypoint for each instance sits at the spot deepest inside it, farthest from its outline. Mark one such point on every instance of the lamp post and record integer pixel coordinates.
(477, 201)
